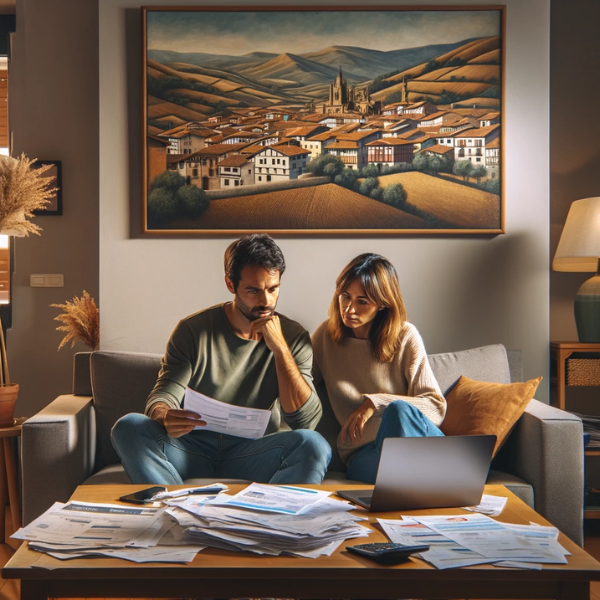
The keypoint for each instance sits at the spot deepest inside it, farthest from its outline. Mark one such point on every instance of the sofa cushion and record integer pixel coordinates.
(519, 487)
(482, 408)
(121, 383)
(488, 363)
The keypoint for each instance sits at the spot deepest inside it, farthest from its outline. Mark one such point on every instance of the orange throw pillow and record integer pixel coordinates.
(477, 407)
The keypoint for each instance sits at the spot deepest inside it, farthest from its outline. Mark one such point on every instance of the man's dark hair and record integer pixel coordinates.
(257, 249)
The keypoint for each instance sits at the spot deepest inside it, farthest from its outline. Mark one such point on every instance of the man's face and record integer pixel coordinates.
(257, 292)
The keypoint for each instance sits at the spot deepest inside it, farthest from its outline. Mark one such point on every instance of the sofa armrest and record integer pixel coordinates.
(58, 451)
(546, 450)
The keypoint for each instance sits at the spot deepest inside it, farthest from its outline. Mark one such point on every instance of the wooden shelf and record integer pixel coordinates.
(593, 452)
(592, 513)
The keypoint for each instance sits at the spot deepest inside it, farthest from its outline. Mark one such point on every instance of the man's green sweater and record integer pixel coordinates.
(205, 354)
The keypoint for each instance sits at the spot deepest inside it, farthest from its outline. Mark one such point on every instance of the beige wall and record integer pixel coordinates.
(54, 115)
(574, 137)
(461, 292)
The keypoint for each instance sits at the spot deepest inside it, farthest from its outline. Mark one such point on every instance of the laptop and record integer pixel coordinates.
(428, 472)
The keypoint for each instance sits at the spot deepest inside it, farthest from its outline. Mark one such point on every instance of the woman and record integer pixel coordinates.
(375, 368)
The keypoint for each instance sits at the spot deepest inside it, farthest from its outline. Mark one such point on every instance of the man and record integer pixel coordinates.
(243, 353)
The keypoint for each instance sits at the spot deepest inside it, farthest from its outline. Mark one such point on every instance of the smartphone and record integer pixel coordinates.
(143, 496)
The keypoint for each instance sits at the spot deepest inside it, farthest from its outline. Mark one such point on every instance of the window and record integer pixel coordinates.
(249, 171)
(236, 182)
(268, 178)
(259, 178)
(478, 159)
(284, 162)
(195, 172)
(278, 161)
(226, 181)
(227, 169)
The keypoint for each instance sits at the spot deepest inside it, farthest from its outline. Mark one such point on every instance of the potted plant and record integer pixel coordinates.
(8, 391)
(22, 190)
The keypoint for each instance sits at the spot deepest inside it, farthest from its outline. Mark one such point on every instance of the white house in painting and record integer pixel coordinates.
(280, 163)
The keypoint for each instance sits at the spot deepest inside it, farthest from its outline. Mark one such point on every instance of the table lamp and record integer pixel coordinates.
(578, 251)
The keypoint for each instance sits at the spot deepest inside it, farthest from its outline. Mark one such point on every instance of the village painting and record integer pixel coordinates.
(330, 121)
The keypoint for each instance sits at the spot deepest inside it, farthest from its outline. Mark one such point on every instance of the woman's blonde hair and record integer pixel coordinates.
(380, 281)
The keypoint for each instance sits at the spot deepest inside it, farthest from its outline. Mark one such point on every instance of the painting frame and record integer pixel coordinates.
(55, 207)
(494, 225)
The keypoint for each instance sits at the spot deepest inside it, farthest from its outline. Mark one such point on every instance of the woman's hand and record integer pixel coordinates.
(354, 428)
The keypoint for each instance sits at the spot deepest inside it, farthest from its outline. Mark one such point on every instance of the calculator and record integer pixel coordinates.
(387, 553)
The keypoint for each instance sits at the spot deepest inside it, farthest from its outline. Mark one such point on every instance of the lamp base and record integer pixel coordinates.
(587, 310)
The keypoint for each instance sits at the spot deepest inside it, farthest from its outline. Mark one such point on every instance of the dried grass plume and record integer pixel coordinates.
(22, 190)
(81, 321)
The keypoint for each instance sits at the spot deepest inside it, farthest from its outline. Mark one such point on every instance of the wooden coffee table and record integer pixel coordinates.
(220, 574)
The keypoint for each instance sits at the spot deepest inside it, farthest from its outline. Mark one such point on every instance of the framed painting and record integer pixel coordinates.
(384, 120)
(54, 207)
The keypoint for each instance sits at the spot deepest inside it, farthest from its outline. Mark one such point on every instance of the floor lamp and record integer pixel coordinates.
(579, 251)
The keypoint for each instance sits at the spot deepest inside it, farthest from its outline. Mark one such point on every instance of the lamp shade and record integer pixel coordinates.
(579, 246)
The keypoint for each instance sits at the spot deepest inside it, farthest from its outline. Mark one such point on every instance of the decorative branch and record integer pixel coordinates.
(22, 190)
(81, 321)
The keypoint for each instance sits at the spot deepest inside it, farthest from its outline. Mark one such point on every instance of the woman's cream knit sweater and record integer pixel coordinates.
(351, 371)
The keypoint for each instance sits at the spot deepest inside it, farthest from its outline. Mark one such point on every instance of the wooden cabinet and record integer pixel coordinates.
(585, 358)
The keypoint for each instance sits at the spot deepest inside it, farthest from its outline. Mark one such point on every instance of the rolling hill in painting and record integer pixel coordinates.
(462, 72)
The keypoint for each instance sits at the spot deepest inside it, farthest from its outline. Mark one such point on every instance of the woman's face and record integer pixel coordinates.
(357, 310)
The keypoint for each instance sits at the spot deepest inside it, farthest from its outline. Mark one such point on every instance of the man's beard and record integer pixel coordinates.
(252, 314)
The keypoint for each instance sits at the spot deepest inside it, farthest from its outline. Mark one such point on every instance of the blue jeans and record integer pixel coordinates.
(400, 419)
(150, 455)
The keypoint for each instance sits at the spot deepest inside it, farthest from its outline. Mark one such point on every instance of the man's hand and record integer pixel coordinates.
(354, 428)
(269, 330)
(177, 422)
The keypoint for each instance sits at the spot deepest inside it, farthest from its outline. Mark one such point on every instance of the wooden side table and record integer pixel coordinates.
(559, 353)
(8, 477)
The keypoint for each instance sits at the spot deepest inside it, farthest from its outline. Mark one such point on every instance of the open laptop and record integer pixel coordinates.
(428, 472)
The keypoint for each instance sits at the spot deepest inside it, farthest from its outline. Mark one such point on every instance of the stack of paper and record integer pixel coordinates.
(591, 425)
(270, 520)
(77, 529)
(464, 540)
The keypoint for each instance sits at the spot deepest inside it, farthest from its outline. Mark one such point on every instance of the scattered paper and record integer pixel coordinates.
(490, 505)
(519, 565)
(463, 540)
(315, 531)
(227, 418)
(95, 524)
(273, 498)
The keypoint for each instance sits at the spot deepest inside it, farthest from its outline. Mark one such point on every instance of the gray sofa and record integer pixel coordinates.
(68, 443)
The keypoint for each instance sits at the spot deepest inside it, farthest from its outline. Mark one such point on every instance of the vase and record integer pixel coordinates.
(8, 399)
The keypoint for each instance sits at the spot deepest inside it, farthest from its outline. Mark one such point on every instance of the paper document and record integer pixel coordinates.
(220, 417)
(490, 505)
(464, 540)
(274, 498)
(86, 524)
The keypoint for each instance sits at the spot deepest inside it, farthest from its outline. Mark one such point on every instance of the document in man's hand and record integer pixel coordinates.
(227, 418)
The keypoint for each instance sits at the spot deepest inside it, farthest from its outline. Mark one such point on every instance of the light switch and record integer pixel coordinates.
(51, 280)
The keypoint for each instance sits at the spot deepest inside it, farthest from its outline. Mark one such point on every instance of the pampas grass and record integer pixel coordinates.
(22, 190)
(81, 321)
